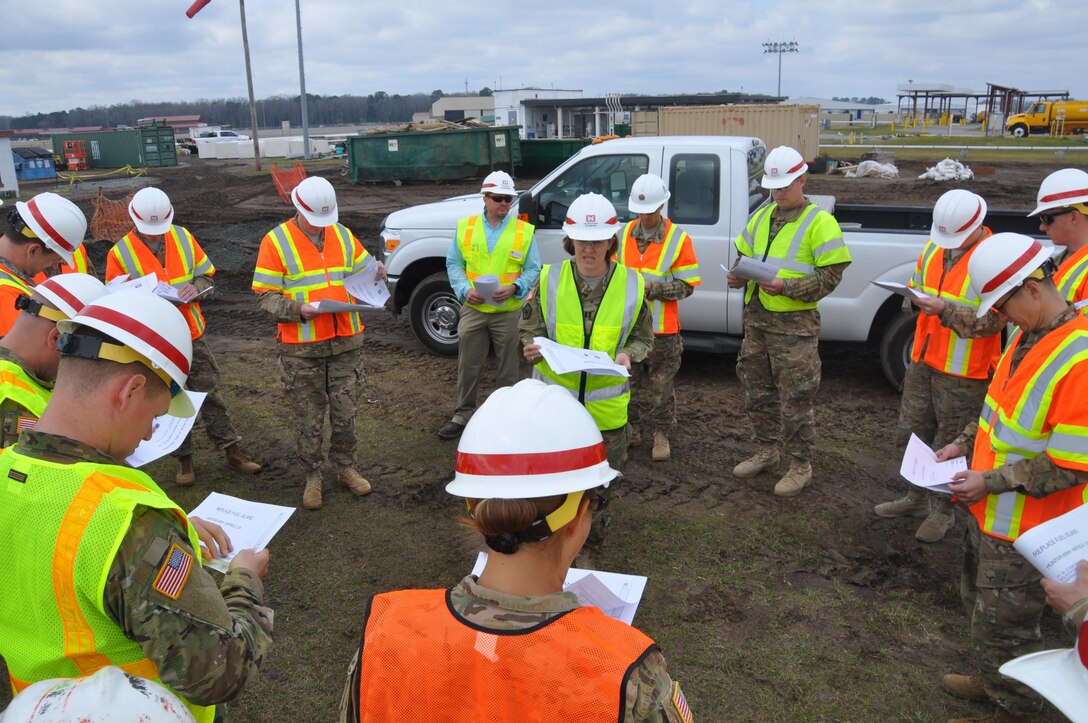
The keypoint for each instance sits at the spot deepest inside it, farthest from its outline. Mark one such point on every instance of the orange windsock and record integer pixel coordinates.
(196, 7)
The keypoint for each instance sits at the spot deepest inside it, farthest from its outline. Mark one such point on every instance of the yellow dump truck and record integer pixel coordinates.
(1045, 116)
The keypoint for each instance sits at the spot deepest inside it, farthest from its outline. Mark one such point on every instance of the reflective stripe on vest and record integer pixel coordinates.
(60, 528)
(12, 279)
(605, 397)
(505, 262)
(134, 258)
(658, 265)
(824, 246)
(418, 657)
(20, 387)
(1017, 423)
(1072, 276)
(945, 350)
(79, 263)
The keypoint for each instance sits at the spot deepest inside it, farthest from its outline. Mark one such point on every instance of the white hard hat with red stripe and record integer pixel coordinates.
(782, 167)
(151, 211)
(315, 199)
(591, 217)
(1067, 187)
(1001, 263)
(70, 292)
(1060, 676)
(530, 440)
(147, 329)
(956, 215)
(499, 183)
(55, 221)
(111, 694)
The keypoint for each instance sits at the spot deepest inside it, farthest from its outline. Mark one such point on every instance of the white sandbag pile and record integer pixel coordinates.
(874, 169)
(949, 170)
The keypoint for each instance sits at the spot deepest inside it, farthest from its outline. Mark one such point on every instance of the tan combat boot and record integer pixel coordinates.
(237, 459)
(969, 687)
(794, 481)
(311, 495)
(186, 477)
(634, 438)
(939, 522)
(915, 504)
(661, 451)
(765, 458)
(353, 481)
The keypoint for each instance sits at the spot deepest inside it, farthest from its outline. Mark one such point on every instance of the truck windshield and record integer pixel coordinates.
(610, 176)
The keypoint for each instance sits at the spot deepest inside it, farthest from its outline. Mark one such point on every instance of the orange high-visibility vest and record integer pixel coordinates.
(946, 351)
(1072, 276)
(1038, 409)
(290, 264)
(12, 287)
(673, 258)
(79, 263)
(420, 662)
(185, 260)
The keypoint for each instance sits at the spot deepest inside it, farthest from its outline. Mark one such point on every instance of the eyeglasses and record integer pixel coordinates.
(597, 503)
(1048, 218)
(592, 244)
(500, 199)
(999, 307)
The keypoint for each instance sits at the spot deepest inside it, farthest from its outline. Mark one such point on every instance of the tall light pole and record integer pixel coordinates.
(302, 86)
(778, 49)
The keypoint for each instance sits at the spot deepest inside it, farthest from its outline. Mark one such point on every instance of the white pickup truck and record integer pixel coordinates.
(715, 187)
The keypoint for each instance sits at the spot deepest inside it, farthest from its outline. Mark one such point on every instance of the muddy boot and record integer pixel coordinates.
(634, 437)
(661, 450)
(915, 504)
(969, 687)
(765, 458)
(353, 481)
(794, 481)
(997, 715)
(311, 495)
(238, 460)
(186, 477)
(939, 522)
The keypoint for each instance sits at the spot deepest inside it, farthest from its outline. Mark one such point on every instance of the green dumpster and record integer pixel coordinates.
(539, 157)
(433, 155)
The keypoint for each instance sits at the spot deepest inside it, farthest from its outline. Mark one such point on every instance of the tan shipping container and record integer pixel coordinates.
(644, 123)
(777, 125)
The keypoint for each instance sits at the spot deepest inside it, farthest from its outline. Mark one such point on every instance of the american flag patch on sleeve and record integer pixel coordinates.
(174, 572)
(680, 703)
(25, 423)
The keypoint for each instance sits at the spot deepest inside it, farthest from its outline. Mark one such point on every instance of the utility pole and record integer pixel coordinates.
(302, 86)
(779, 49)
(249, 83)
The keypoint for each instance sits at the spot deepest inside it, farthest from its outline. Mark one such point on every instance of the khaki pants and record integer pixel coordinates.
(478, 332)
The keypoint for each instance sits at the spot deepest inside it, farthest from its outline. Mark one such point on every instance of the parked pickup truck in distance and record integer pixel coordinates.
(715, 185)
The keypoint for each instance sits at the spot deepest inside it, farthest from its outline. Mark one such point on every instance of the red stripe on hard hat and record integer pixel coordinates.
(298, 199)
(967, 225)
(32, 204)
(1012, 268)
(797, 167)
(1082, 645)
(567, 460)
(63, 293)
(490, 185)
(1064, 195)
(611, 222)
(140, 331)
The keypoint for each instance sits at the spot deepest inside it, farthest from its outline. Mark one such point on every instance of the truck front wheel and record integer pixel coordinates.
(1019, 130)
(895, 348)
(433, 311)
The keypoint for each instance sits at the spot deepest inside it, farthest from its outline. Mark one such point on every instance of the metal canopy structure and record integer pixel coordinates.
(1007, 100)
(939, 98)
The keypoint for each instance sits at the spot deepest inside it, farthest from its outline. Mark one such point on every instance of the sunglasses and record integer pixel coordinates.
(1048, 218)
(500, 199)
(592, 244)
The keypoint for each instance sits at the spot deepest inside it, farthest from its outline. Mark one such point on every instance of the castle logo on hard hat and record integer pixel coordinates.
(591, 218)
(774, 171)
(942, 229)
(324, 209)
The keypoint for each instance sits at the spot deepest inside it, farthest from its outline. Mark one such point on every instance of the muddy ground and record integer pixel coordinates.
(767, 609)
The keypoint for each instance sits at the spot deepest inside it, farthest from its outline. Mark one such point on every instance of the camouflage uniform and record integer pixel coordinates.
(647, 697)
(652, 392)
(14, 417)
(779, 360)
(1000, 589)
(640, 343)
(208, 643)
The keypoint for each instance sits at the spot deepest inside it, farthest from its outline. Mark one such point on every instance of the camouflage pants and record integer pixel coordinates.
(652, 393)
(1004, 602)
(936, 407)
(204, 377)
(615, 442)
(333, 383)
(781, 374)
(478, 332)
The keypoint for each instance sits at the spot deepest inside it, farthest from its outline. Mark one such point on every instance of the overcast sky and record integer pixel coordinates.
(60, 54)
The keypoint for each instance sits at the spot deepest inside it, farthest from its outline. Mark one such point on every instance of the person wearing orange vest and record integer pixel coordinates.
(101, 568)
(511, 645)
(28, 352)
(1029, 461)
(301, 263)
(80, 265)
(497, 244)
(40, 234)
(1062, 208)
(953, 352)
(663, 253)
(156, 246)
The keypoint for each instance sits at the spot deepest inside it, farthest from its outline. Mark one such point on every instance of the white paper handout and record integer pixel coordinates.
(331, 306)
(1056, 546)
(125, 283)
(170, 293)
(486, 286)
(921, 468)
(901, 289)
(615, 593)
(566, 359)
(167, 434)
(367, 288)
(753, 270)
(250, 525)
